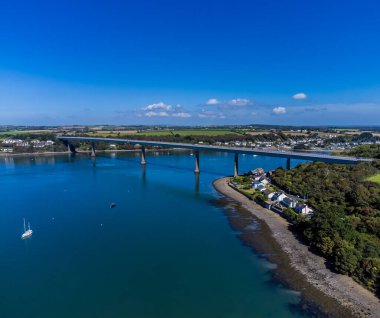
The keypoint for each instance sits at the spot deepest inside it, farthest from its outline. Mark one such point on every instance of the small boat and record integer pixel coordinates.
(112, 205)
(27, 232)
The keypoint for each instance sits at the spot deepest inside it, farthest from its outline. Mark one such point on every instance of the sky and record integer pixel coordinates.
(171, 62)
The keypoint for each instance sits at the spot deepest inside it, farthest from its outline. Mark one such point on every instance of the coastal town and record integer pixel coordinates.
(20, 145)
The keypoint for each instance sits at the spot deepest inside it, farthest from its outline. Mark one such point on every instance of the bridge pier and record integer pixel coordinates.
(288, 166)
(197, 183)
(143, 161)
(236, 165)
(93, 153)
(143, 174)
(70, 148)
(197, 162)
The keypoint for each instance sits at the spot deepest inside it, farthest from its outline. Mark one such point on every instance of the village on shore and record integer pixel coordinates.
(257, 185)
(11, 145)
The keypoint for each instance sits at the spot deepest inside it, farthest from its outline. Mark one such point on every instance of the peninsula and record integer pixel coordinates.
(307, 212)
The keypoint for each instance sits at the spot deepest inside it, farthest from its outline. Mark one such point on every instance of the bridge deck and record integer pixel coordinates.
(240, 150)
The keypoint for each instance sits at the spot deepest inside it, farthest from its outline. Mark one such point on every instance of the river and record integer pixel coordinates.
(166, 249)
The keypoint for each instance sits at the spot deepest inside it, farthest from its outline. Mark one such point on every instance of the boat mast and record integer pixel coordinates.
(29, 226)
(24, 226)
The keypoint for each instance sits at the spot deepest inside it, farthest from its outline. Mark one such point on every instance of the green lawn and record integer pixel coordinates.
(375, 178)
(189, 132)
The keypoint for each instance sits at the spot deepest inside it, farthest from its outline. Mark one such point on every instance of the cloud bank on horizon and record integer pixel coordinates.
(185, 63)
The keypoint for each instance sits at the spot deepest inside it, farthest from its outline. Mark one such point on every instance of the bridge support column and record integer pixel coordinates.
(196, 162)
(93, 154)
(70, 149)
(197, 183)
(143, 161)
(288, 163)
(143, 174)
(236, 164)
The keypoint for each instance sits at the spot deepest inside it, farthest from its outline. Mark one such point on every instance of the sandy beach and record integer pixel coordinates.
(335, 294)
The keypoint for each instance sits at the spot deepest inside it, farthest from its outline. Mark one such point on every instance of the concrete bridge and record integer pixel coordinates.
(288, 155)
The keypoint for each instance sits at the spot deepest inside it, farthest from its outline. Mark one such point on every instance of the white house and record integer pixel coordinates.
(269, 194)
(263, 180)
(278, 196)
(23, 144)
(257, 184)
(288, 202)
(6, 149)
(303, 209)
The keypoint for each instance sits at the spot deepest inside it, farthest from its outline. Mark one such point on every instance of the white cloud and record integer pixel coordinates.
(212, 101)
(279, 110)
(239, 102)
(159, 105)
(156, 114)
(181, 115)
(253, 113)
(232, 102)
(300, 96)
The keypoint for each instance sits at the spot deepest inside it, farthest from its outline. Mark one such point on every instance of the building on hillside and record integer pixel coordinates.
(23, 144)
(289, 203)
(261, 188)
(268, 193)
(303, 209)
(263, 180)
(278, 196)
(257, 172)
(6, 149)
(257, 184)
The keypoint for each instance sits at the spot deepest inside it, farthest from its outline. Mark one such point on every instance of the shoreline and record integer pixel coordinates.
(334, 294)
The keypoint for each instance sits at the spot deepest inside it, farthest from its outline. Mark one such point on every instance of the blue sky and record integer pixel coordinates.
(190, 62)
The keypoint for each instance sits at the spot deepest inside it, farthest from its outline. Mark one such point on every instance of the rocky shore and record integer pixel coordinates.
(334, 294)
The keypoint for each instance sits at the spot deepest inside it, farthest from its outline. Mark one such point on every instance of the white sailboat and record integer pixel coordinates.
(27, 232)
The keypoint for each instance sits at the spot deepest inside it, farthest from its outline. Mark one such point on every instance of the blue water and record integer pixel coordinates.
(166, 250)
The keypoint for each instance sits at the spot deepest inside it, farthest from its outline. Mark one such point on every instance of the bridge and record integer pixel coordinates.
(288, 155)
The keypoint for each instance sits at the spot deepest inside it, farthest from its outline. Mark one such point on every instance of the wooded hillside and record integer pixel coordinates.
(346, 225)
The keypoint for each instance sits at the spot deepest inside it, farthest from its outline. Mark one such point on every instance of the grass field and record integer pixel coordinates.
(21, 132)
(192, 132)
(375, 178)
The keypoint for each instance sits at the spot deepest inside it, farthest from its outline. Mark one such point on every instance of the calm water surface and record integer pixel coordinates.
(165, 251)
